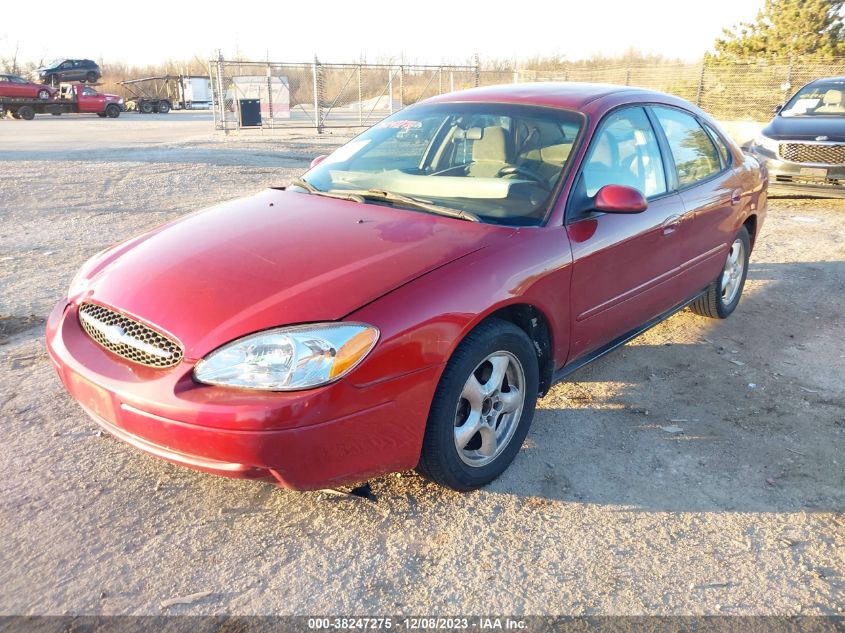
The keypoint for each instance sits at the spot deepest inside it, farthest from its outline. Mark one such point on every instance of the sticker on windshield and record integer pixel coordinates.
(404, 124)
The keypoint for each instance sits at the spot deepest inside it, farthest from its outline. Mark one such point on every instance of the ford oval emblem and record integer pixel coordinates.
(821, 138)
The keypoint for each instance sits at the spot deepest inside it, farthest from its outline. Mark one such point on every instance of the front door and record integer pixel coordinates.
(624, 265)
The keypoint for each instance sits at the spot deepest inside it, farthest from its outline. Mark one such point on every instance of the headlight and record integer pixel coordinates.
(289, 358)
(767, 143)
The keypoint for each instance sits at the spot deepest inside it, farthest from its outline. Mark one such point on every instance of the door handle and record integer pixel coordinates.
(671, 224)
(736, 196)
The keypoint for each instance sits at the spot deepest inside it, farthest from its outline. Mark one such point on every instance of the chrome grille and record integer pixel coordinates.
(128, 338)
(813, 153)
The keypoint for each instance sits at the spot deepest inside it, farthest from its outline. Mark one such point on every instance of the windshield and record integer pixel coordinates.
(824, 98)
(499, 162)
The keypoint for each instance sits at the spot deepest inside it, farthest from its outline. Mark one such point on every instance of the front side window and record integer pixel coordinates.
(17, 80)
(696, 158)
(625, 152)
(501, 162)
(821, 98)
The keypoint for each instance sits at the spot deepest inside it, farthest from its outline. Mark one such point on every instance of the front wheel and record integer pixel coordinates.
(482, 408)
(722, 295)
(43, 94)
(112, 111)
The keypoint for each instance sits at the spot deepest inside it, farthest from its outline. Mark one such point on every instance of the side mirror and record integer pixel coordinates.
(778, 108)
(318, 160)
(619, 199)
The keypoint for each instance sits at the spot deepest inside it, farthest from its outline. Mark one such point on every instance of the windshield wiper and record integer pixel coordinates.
(410, 201)
(342, 195)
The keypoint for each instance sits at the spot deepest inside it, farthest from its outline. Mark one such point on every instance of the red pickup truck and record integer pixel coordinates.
(71, 98)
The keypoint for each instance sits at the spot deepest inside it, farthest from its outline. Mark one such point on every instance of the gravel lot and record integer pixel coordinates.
(699, 470)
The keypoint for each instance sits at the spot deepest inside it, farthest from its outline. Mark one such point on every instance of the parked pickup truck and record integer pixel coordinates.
(71, 98)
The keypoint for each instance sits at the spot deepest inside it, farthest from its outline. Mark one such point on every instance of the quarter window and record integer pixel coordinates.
(720, 145)
(696, 158)
(625, 152)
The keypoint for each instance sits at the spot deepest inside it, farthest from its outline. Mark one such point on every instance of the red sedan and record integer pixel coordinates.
(406, 302)
(18, 87)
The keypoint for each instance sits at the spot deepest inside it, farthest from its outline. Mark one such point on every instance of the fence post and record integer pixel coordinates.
(270, 97)
(477, 70)
(699, 93)
(390, 72)
(221, 93)
(401, 85)
(318, 94)
(440, 80)
(360, 98)
(628, 77)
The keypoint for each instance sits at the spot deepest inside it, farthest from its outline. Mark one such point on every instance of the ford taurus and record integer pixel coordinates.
(406, 301)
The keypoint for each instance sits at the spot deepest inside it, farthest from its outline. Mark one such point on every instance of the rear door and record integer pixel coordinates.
(624, 265)
(711, 192)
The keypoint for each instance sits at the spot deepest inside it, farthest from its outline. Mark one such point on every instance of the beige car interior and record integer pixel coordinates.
(831, 103)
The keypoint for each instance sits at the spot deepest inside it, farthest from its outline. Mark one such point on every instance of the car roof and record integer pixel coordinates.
(821, 80)
(569, 95)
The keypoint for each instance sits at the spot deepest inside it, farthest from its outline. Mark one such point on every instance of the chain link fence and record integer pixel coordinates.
(270, 95)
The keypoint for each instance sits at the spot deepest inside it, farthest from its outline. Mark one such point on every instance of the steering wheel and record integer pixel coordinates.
(521, 170)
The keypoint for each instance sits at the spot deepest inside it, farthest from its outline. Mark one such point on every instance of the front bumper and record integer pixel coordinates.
(305, 440)
(813, 178)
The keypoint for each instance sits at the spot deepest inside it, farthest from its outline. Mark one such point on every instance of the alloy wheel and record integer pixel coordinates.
(489, 409)
(733, 271)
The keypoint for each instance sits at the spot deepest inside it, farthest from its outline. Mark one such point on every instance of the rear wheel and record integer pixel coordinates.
(91, 77)
(722, 295)
(26, 113)
(112, 111)
(145, 107)
(482, 408)
(163, 107)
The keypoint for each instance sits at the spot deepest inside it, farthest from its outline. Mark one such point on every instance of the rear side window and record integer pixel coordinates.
(625, 152)
(696, 158)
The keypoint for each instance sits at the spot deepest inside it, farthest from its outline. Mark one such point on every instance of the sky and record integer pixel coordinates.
(432, 31)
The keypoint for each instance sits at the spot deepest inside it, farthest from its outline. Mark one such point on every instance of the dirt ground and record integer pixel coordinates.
(698, 470)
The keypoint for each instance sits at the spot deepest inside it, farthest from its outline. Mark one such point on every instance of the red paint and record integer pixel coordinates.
(22, 90)
(281, 258)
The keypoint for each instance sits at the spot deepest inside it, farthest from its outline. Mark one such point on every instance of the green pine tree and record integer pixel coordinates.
(787, 29)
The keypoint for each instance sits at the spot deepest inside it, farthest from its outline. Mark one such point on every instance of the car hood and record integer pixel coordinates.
(272, 259)
(806, 128)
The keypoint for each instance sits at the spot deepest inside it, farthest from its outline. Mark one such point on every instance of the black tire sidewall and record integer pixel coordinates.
(724, 310)
(112, 111)
(502, 336)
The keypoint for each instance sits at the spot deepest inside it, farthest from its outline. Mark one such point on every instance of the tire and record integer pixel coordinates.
(163, 107)
(15, 115)
(501, 422)
(112, 111)
(54, 80)
(722, 295)
(145, 107)
(91, 78)
(26, 113)
(43, 94)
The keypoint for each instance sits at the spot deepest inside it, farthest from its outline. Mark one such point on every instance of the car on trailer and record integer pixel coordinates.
(72, 98)
(63, 70)
(13, 86)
